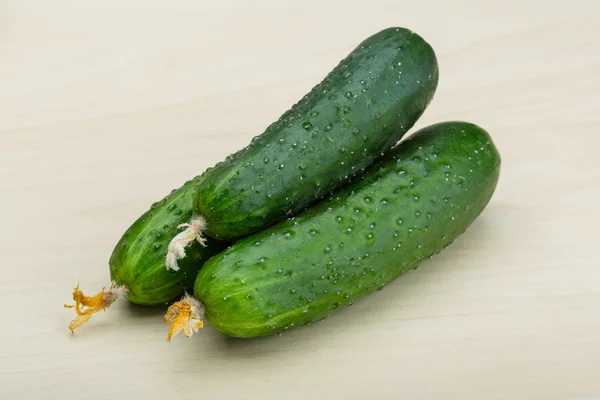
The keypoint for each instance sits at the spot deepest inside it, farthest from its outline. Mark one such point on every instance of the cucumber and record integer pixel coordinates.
(137, 266)
(405, 208)
(360, 110)
(138, 260)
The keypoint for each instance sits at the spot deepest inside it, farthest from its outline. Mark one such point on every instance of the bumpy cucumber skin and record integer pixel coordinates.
(138, 260)
(407, 207)
(360, 110)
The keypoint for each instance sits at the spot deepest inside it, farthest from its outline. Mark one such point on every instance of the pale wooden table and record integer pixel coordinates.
(105, 106)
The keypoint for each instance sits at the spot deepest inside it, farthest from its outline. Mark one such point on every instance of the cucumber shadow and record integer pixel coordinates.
(139, 311)
(364, 314)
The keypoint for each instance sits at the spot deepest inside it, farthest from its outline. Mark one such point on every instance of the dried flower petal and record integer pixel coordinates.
(186, 315)
(93, 304)
(176, 250)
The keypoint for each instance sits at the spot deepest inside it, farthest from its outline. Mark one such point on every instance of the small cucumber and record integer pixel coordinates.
(137, 263)
(360, 110)
(407, 207)
(138, 260)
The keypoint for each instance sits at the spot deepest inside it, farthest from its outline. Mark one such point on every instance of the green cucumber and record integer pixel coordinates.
(359, 111)
(407, 207)
(138, 260)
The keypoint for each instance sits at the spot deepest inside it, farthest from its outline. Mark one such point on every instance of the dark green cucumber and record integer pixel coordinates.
(360, 110)
(407, 207)
(138, 260)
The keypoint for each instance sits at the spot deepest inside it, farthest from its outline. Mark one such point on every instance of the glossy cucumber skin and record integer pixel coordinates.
(404, 209)
(138, 259)
(360, 110)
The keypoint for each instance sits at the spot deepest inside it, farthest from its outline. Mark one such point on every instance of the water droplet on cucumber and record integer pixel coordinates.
(307, 126)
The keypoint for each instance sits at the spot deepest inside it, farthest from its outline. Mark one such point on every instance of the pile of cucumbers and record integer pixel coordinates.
(321, 209)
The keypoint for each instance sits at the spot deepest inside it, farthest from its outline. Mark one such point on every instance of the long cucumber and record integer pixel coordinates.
(359, 111)
(405, 208)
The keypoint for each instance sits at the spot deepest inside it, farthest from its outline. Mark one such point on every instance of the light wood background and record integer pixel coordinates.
(105, 106)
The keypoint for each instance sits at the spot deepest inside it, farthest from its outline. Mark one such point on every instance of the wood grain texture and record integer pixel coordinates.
(107, 106)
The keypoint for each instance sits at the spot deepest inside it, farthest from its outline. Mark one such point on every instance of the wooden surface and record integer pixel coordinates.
(105, 106)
